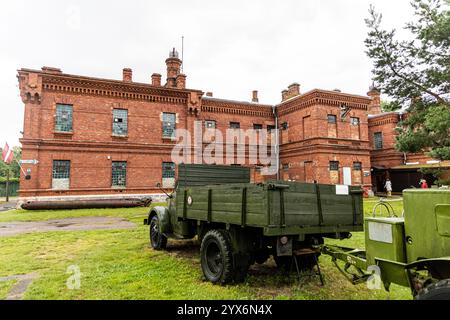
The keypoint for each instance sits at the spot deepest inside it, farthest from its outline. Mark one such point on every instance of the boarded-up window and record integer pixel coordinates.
(332, 126)
(119, 173)
(169, 124)
(168, 174)
(63, 120)
(307, 130)
(334, 172)
(354, 128)
(120, 122)
(61, 174)
(357, 173)
(378, 140)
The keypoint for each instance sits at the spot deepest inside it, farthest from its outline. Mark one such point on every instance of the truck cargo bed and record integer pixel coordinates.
(279, 207)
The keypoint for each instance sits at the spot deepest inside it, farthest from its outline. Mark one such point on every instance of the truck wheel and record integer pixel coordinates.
(157, 239)
(217, 257)
(436, 291)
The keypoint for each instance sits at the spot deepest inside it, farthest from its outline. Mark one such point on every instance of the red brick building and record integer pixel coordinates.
(101, 136)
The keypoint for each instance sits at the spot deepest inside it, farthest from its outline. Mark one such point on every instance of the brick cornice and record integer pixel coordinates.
(236, 107)
(323, 97)
(79, 85)
(383, 119)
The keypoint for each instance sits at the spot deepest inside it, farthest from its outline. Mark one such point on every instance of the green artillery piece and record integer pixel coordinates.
(411, 251)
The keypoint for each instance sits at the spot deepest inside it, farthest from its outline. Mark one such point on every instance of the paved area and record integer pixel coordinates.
(18, 290)
(69, 224)
(5, 206)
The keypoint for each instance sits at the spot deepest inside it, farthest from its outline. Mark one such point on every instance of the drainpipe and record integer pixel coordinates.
(405, 157)
(277, 145)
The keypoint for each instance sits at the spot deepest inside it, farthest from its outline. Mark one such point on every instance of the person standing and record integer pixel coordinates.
(424, 184)
(388, 187)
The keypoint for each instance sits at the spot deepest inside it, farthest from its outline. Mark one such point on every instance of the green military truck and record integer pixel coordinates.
(411, 250)
(239, 223)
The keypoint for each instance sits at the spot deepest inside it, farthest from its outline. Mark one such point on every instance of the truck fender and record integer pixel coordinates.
(163, 216)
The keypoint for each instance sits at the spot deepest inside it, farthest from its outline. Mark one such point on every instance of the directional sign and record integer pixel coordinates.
(29, 161)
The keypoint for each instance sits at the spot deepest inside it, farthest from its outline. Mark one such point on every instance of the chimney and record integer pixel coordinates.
(255, 96)
(374, 105)
(294, 90)
(156, 79)
(181, 81)
(173, 68)
(51, 70)
(127, 75)
(284, 95)
(209, 94)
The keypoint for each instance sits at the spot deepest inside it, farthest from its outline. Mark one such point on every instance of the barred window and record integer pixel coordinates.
(119, 173)
(378, 140)
(61, 169)
(331, 118)
(63, 121)
(169, 125)
(120, 122)
(257, 126)
(357, 166)
(168, 170)
(235, 125)
(210, 124)
(334, 165)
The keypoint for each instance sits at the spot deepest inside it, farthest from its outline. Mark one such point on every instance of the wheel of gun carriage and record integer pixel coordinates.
(435, 291)
(216, 255)
(158, 240)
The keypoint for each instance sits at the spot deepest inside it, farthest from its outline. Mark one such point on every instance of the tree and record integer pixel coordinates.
(14, 167)
(415, 74)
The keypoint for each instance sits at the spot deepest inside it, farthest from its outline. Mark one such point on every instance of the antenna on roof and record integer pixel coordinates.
(182, 53)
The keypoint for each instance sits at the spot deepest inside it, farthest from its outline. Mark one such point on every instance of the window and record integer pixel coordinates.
(331, 118)
(119, 173)
(284, 126)
(168, 170)
(257, 126)
(120, 122)
(378, 140)
(168, 174)
(63, 121)
(169, 125)
(334, 165)
(210, 124)
(286, 166)
(270, 128)
(61, 174)
(357, 166)
(354, 121)
(235, 125)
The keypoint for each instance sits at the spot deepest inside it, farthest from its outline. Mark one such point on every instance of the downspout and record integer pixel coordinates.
(277, 145)
(405, 156)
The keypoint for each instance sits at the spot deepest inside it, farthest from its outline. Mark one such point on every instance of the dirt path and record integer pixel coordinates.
(18, 290)
(69, 224)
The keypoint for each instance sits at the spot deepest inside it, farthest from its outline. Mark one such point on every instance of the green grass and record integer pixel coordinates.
(118, 264)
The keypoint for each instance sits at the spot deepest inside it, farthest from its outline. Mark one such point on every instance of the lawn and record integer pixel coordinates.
(118, 264)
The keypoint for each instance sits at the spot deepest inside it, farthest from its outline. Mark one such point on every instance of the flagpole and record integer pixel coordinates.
(7, 184)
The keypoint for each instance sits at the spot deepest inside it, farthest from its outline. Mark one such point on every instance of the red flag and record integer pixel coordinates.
(7, 154)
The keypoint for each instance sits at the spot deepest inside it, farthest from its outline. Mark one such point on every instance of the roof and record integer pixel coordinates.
(236, 101)
(442, 164)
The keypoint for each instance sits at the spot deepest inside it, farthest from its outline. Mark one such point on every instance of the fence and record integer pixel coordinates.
(13, 188)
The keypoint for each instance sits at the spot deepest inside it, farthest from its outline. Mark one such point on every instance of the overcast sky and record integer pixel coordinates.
(231, 47)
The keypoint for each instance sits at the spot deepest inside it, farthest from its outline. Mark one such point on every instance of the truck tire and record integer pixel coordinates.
(216, 256)
(436, 291)
(158, 240)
